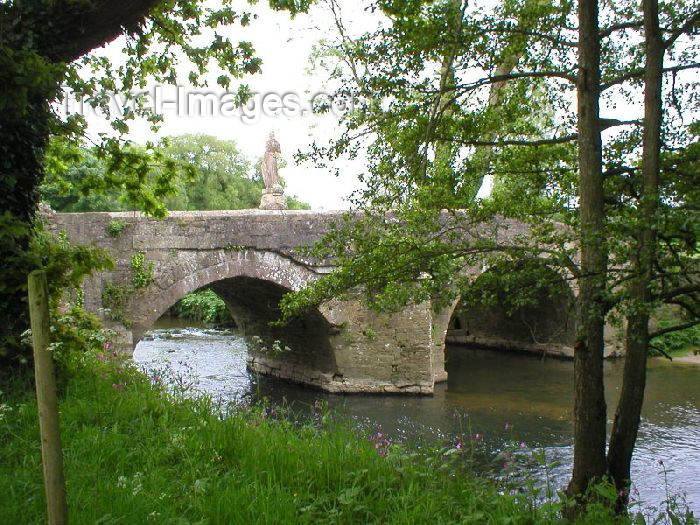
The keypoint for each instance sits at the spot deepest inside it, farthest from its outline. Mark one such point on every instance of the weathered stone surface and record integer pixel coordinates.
(273, 201)
(250, 258)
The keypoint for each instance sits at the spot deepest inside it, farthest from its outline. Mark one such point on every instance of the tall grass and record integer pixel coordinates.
(135, 454)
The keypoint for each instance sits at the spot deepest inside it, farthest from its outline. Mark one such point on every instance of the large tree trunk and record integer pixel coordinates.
(35, 43)
(23, 137)
(627, 416)
(589, 400)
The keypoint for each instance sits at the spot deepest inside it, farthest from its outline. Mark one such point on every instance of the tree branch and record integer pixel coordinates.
(518, 31)
(77, 28)
(634, 24)
(685, 28)
(639, 72)
(675, 328)
(682, 290)
(539, 142)
(513, 76)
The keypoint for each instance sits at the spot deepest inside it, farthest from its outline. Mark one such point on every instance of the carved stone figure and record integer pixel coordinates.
(273, 195)
(269, 164)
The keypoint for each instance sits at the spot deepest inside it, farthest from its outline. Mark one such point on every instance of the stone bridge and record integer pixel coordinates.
(250, 259)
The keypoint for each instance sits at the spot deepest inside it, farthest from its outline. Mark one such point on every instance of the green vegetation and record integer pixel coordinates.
(115, 297)
(114, 300)
(677, 343)
(207, 174)
(141, 270)
(137, 454)
(115, 228)
(609, 196)
(66, 266)
(202, 305)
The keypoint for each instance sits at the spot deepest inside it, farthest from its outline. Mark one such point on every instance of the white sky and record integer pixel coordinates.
(284, 45)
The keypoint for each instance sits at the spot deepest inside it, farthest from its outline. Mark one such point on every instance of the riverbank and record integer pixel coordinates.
(137, 454)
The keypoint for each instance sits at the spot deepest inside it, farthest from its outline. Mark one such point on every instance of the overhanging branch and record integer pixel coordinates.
(636, 73)
(675, 328)
(65, 30)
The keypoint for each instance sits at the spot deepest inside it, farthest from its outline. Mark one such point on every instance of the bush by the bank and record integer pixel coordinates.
(202, 305)
(135, 454)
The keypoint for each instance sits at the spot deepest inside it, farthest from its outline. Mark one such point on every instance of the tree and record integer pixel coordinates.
(46, 45)
(223, 178)
(213, 175)
(554, 170)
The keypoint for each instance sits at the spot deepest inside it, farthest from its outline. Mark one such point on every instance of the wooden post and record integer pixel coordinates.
(51, 454)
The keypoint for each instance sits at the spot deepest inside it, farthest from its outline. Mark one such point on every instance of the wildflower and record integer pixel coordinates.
(478, 436)
(458, 445)
(523, 444)
(107, 346)
(4, 410)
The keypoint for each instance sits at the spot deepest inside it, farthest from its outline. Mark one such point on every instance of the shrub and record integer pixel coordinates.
(202, 305)
(115, 228)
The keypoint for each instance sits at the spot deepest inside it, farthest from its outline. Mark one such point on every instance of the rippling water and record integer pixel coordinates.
(491, 398)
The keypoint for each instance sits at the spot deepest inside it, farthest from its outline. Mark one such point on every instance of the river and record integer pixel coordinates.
(492, 399)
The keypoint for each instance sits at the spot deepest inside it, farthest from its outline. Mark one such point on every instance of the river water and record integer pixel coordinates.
(493, 399)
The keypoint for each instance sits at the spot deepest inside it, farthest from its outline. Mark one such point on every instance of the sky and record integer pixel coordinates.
(284, 45)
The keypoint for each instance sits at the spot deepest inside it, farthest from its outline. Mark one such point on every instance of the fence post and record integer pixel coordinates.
(51, 454)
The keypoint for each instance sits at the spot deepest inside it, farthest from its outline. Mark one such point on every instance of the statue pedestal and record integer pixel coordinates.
(273, 200)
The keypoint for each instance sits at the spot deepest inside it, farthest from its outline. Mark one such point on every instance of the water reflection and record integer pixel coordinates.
(491, 397)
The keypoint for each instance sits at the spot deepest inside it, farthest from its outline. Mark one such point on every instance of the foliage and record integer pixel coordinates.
(202, 305)
(82, 179)
(42, 56)
(115, 228)
(66, 265)
(224, 178)
(141, 270)
(518, 127)
(115, 299)
(75, 332)
(210, 174)
(677, 342)
(145, 455)
(448, 94)
(293, 203)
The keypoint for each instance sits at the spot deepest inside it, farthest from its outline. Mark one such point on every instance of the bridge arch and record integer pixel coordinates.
(175, 280)
(251, 283)
(545, 324)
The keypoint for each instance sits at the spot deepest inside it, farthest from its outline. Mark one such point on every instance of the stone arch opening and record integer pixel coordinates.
(304, 342)
(251, 283)
(519, 306)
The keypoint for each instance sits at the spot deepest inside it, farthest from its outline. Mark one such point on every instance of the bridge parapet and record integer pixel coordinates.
(250, 258)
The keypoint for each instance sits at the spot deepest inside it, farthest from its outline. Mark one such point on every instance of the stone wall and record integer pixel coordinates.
(250, 258)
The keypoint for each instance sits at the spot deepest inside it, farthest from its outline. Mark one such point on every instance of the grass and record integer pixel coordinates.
(677, 344)
(135, 454)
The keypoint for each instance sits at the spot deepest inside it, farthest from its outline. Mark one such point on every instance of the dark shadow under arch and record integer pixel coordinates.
(507, 311)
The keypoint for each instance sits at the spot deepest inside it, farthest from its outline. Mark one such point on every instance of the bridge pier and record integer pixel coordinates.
(250, 258)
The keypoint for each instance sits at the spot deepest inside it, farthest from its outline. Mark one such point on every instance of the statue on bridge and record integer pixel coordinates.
(273, 195)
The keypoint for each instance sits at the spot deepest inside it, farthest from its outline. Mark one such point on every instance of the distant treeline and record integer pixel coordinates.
(217, 177)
